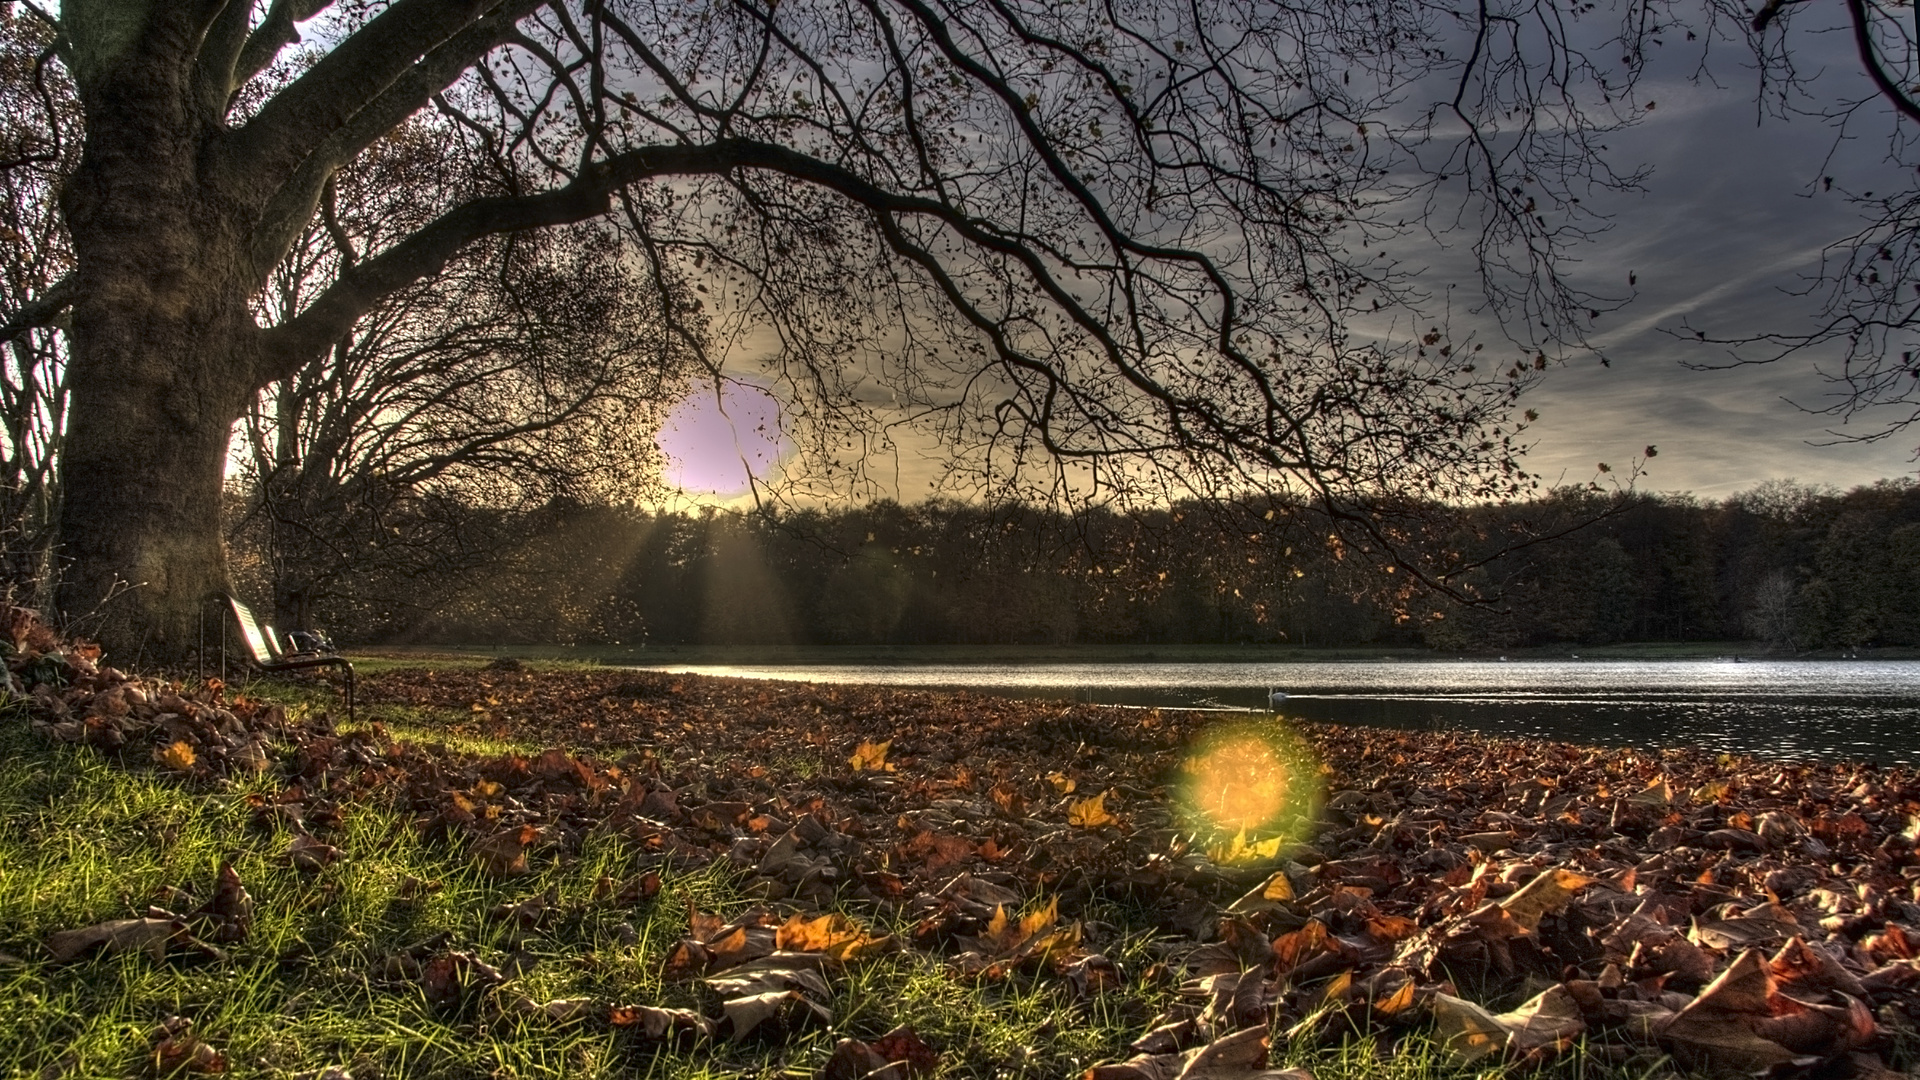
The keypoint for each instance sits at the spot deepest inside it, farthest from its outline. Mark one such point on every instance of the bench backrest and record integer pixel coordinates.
(260, 639)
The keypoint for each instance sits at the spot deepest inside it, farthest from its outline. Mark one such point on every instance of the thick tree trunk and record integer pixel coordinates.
(161, 364)
(140, 535)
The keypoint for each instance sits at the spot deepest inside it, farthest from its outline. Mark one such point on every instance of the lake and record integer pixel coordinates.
(1837, 709)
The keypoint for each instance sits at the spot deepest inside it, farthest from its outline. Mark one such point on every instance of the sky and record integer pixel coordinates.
(1731, 222)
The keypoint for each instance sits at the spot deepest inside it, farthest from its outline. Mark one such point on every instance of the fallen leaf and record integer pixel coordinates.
(774, 973)
(310, 854)
(1546, 894)
(1090, 813)
(1716, 1029)
(177, 1049)
(176, 755)
(903, 1047)
(526, 914)
(1241, 850)
(1491, 842)
(150, 936)
(1233, 1055)
(661, 1025)
(1397, 1002)
(871, 756)
(1391, 928)
(1466, 1031)
(854, 1060)
(452, 978)
(1802, 967)
(1292, 949)
(1266, 896)
(937, 851)
(1552, 1020)
(789, 1009)
(739, 943)
(834, 935)
(1235, 1000)
(504, 854)
(1658, 795)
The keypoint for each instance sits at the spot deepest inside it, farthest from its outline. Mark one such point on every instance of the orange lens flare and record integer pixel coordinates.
(1250, 780)
(1240, 784)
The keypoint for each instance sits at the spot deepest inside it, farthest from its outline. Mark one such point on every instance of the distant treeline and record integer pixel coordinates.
(1793, 566)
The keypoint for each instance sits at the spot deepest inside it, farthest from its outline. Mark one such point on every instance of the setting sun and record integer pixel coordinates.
(724, 443)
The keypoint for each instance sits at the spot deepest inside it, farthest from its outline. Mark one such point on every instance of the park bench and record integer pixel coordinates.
(263, 644)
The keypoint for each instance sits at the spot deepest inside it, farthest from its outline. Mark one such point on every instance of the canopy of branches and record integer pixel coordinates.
(1165, 240)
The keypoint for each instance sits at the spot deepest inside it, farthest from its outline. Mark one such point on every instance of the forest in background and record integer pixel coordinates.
(1792, 566)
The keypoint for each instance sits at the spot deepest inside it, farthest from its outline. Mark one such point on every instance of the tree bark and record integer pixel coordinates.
(162, 356)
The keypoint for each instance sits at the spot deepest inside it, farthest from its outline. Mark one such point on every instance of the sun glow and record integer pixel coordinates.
(723, 443)
(1251, 779)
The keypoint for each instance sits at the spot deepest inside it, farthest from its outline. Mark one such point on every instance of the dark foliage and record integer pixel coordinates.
(1793, 566)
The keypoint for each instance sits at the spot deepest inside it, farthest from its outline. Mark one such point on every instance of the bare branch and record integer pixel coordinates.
(1870, 60)
(42, 310)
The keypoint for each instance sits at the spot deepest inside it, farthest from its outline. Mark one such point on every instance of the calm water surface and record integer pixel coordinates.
(1867, 709)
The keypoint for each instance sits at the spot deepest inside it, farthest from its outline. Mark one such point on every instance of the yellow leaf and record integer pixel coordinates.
(1399, 1001)
(1057, 947)
(1467, 1031)
(997, 926)
(1238, 850)
(835, 935)
(177, 756)
(1544, 895)
(1062, 783)
(1267, 895)
(1005, 938)
(1658, 795)
(1090, 813)
(1035, 921)
(1712, 791)
(871, 756)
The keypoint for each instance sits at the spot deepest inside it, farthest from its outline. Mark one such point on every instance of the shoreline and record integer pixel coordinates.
(1025, 655)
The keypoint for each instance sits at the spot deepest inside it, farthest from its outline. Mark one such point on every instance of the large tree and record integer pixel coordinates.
(1147, 235)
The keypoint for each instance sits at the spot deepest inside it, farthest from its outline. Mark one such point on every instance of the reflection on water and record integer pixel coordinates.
(1866, 709)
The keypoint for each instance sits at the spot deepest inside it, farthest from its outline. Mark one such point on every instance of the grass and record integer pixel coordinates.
(84, 839)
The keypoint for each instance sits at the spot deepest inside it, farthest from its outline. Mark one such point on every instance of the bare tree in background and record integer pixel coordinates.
(39, 146)
(529, 370)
